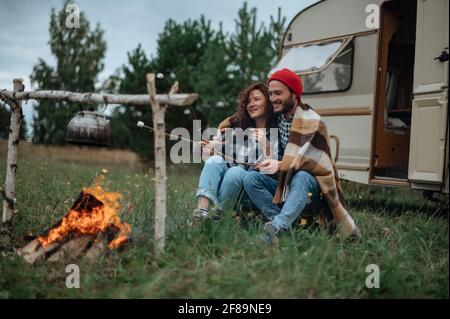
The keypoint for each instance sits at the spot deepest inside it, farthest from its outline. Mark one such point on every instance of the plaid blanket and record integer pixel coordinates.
(308, 149)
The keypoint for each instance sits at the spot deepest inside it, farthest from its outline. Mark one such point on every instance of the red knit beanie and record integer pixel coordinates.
(290, 79)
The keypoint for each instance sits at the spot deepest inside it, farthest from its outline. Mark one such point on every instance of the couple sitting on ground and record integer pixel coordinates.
(295, 174)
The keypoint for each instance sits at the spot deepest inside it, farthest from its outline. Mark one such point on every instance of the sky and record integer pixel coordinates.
(24, 28)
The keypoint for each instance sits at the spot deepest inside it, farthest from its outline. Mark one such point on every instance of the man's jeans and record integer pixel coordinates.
(219, 183)
(261, 189)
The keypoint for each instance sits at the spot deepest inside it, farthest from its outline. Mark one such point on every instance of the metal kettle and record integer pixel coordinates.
(89, 128)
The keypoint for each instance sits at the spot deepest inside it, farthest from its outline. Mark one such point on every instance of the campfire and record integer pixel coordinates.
(90, 226)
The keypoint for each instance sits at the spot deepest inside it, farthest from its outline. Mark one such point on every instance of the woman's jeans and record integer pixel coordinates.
(219, 183)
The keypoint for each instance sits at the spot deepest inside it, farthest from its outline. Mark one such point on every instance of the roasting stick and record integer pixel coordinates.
(141, 124)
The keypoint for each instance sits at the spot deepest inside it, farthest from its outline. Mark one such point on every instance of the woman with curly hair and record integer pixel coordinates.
(222, 175)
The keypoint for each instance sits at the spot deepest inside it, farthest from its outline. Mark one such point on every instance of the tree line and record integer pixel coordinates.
(211, 62)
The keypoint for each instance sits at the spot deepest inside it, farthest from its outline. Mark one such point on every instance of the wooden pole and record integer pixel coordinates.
(158, 112)
(9, 193)
(93, 98)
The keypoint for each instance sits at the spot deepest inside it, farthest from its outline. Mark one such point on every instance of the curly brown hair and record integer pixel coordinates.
(242, 119)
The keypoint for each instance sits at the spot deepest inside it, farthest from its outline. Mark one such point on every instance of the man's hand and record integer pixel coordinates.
(269, 167)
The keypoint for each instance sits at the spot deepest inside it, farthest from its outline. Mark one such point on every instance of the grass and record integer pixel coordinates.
(401, 234)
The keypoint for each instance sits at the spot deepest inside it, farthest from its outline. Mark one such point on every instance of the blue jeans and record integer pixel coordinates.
(261, 189)
(219, 183)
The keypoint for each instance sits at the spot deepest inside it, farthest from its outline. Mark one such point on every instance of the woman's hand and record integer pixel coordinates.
(201, 148)
(209, 147)
(206, 148)
(259, 135)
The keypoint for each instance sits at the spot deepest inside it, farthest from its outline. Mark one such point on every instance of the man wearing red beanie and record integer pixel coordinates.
(282, 80)
(285, 91)
(303, 159)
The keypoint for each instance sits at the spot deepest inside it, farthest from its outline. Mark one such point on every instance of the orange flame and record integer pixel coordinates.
(94, 220)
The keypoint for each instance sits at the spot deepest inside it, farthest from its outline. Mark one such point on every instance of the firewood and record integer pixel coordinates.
(34, 251)
(30, 248)
(85, 201)
(73, 248)
(75, 242)
(98, 246)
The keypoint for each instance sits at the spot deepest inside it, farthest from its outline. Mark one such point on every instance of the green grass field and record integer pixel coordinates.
(401, 234)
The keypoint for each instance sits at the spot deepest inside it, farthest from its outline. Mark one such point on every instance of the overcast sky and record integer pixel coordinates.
(24, 28)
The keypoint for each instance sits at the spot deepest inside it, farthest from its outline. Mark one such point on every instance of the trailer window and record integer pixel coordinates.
(324, 67)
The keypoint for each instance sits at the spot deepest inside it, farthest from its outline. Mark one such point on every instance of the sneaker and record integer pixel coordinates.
(201, 214)
(198, 216)
(216, 215)
(271, 234)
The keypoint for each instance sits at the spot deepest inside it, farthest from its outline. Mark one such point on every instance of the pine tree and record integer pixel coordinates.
(130, 79)
(253, 48)
(209, 62)
(212, 82)
(79, 53)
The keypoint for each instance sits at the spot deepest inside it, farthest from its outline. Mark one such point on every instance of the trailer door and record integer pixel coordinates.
(430, 102)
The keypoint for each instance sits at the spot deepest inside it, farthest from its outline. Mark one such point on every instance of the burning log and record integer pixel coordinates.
(90, 226)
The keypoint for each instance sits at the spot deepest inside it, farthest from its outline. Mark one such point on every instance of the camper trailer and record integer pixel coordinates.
(377, 71)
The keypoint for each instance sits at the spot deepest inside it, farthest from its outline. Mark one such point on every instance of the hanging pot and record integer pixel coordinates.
(89, 128)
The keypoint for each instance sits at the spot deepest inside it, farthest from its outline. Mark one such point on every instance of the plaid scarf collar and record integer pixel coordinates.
(284, 129)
